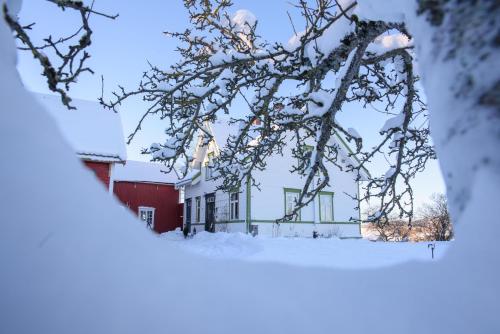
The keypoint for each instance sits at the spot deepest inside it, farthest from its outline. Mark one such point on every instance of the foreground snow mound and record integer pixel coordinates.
(73, 261)
(321, 252)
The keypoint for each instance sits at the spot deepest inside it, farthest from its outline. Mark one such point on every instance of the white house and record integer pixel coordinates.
(250, 209)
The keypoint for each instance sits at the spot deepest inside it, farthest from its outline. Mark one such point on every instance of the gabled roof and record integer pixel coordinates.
(147, 172)
(95, 133)
(221, 130)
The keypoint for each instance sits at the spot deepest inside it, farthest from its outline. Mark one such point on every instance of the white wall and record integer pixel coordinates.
(269, 203)
(204, 187)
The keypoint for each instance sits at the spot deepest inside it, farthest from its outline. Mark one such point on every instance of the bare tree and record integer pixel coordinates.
(437, 220)
(391, 228)
(337, 59)
(62, 59)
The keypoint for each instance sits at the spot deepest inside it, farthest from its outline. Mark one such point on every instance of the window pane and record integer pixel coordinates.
(197, 208)
(291, 199)
(326, 203)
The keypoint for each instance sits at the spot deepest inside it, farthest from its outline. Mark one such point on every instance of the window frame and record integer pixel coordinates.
(197, 209)
(331, 194)
(208, 169)
(188, 203)
(292, 190)
(236, 204)
(147, 209)
(308, 149)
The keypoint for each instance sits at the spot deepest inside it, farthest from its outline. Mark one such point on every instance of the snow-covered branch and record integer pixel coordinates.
(337, 59)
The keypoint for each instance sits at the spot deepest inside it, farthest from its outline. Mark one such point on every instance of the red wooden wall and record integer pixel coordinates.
(164, 198)
(101, 170)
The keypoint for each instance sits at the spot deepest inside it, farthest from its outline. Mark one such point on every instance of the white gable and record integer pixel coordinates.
(94, 133)
(221, 130)
(138, 171)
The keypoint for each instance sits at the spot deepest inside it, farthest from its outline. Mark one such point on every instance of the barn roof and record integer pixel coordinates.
(95, 133)
(148, 172)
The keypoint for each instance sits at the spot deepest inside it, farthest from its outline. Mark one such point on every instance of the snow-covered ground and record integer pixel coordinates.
(321, 252)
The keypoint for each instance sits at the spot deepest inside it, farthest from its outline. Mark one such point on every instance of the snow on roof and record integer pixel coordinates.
(221, 130)
(192, 177)
(346, 152)
(94, 133)
(139, 171)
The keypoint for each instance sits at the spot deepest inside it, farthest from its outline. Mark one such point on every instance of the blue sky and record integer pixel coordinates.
(121, 48)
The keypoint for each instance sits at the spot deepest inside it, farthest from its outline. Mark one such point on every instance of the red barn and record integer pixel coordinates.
(95, 134)
(150, 193)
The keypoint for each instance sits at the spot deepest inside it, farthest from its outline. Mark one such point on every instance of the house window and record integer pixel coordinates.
(197, 209)
(147, 215)
(308, 150)
(235, 206)
(291, 199)
(181, 195)
(326, 207)
(188, 211)
(209, 167)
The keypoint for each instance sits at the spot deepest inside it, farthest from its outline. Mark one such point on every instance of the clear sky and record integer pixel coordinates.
(121, 48)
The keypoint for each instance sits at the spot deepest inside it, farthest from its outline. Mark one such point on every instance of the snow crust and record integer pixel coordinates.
(139, 171)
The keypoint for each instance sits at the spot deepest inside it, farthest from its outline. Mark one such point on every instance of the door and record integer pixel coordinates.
(188, 213)
(210, 212)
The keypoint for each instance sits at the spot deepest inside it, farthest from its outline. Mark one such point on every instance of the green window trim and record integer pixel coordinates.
(326, 193)
(234, 215)
(291, 190)
(248, 208)
(308, 148)
(271, 221)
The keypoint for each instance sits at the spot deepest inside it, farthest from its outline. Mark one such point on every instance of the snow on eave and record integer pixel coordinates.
(188, 179)
(144, 172)
(364, 173)
(100, 158)
(96, 134)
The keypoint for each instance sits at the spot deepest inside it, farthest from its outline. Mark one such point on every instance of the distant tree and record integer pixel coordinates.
(391, 228)
(62, 59)
(335, 60)
(437, 220)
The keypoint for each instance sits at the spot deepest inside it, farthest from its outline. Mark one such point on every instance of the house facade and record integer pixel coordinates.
(94, 133)
(149, 193)
(250, 209)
